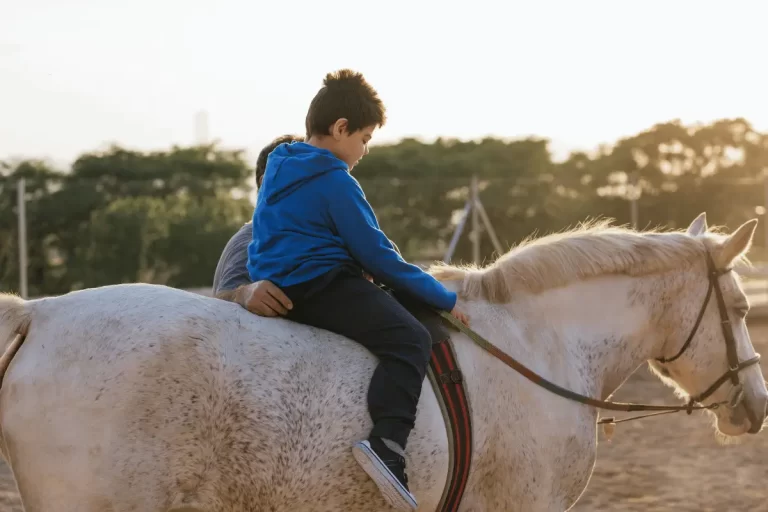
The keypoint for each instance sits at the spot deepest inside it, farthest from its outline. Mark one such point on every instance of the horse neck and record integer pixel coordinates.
(588, 337)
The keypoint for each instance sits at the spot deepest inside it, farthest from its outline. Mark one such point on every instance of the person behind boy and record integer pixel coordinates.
(314, 234)
(231, 281)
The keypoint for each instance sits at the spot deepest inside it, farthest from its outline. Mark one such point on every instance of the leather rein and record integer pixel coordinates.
(694, 403)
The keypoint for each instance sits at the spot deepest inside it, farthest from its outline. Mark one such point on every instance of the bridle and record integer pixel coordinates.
(694, 403)
(734, 365)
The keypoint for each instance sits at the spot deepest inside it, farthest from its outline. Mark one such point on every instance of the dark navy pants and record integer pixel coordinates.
(346, 303)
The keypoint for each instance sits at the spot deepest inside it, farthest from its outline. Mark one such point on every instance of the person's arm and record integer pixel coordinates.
(373, 278)
(356, 223)
(232, 282)
(229, 295)
(262, 298)
(231, 270)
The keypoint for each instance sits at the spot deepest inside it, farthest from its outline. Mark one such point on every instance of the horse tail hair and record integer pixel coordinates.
(15, 318)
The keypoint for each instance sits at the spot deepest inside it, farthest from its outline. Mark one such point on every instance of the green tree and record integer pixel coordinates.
(417, 189)
(99, 223)
(125, 216)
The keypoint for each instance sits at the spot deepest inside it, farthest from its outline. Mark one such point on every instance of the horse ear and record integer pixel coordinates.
(737, 244)
(699, 225)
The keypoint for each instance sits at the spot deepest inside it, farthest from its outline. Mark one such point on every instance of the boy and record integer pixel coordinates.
(314, 235)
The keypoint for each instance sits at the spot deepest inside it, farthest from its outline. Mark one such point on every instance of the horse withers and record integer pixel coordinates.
(143, 397)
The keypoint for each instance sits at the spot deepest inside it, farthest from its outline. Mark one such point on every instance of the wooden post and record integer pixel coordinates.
(457, 232)
(475, 223)
(634, 196)
(489, 227)
(22, 210)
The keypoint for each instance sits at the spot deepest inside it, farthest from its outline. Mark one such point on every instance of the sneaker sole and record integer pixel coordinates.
(391, 488)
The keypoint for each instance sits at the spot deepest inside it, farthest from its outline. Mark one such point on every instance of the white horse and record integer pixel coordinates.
(147, 398)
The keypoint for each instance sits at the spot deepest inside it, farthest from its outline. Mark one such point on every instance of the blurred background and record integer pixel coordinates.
(129, 132)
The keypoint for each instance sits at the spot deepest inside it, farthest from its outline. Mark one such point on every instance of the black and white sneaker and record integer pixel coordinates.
(387, 469)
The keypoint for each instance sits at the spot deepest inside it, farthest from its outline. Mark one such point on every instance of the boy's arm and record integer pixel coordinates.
(356, 223)
(373, 278)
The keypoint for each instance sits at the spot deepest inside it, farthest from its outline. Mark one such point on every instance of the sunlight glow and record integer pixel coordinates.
(80, 74)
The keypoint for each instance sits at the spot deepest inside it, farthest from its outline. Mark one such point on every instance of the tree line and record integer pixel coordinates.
(163, 217)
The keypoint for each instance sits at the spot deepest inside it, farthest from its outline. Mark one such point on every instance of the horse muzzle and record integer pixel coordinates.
(749, 407)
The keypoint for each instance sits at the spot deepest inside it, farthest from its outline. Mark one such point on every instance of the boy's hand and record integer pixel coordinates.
(368, 276)
(460, 316)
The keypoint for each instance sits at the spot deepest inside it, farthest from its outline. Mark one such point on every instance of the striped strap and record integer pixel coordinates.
(447, 380)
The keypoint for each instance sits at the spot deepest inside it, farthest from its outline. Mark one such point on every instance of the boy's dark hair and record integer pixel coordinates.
(261, 161)
(345, 94)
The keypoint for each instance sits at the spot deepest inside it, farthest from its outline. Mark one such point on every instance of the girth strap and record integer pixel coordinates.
(448, 383)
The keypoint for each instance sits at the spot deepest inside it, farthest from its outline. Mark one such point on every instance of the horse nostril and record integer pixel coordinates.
(763, 400)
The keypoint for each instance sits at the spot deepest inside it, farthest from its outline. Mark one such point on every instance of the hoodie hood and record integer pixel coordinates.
(291, 165)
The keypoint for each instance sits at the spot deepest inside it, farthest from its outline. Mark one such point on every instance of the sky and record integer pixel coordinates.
(78, 75)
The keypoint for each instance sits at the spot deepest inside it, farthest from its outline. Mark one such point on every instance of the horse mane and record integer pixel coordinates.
(592, 249)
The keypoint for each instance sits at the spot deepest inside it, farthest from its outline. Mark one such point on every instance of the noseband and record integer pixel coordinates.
(695, 402)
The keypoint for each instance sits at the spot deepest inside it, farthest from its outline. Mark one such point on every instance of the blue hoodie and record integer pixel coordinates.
(311, 216)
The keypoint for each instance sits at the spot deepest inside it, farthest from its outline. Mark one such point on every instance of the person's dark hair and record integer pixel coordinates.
(345, 94)
(261, 161)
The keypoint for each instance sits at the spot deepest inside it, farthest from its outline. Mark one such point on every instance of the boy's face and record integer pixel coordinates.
(351, 147)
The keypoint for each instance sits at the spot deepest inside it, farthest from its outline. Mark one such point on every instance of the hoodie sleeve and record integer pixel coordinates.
(356, 224)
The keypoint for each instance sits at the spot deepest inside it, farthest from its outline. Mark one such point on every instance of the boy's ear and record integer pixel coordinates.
(339, 128)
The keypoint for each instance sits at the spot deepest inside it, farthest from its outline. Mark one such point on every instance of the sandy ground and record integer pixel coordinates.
(671, 462)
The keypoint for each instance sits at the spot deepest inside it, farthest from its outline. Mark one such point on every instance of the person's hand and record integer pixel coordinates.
(460, 316)
(368, 276)
(263, 298)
